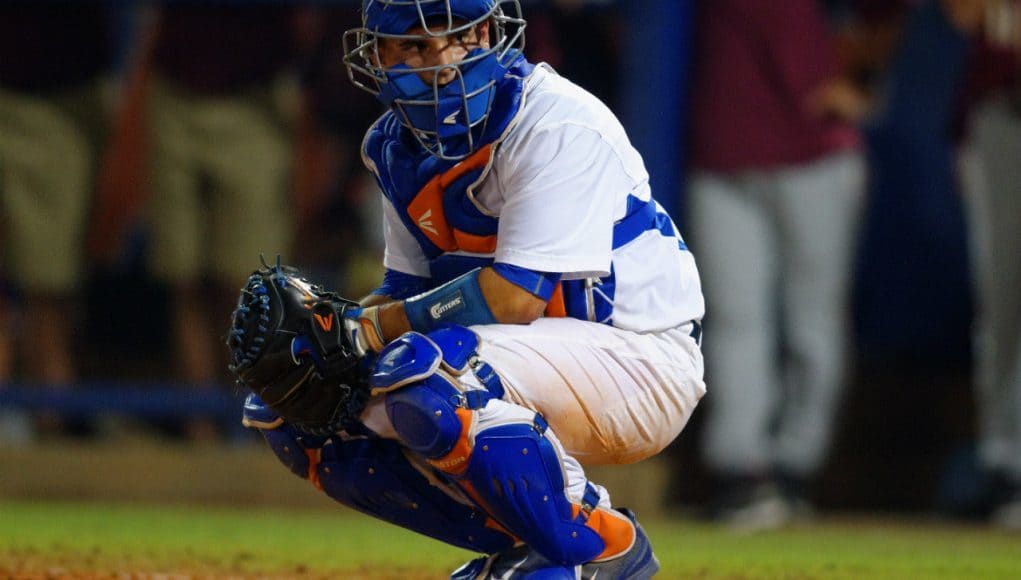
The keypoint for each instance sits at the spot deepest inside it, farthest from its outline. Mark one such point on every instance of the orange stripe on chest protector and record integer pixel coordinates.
(472, 243)
(426, 209)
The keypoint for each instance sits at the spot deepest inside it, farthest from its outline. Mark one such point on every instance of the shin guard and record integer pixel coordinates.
(516, 473)
(375, 477)
(445, 405)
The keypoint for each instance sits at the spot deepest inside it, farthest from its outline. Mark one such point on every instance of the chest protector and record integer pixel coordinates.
(435, 197)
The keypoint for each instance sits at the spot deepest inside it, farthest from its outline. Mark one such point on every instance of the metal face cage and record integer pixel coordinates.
(361, 58)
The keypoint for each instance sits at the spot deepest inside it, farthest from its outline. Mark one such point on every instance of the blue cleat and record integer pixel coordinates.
(524, 563)
(520, 563)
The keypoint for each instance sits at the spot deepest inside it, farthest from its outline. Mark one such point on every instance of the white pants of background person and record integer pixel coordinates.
(775, 251)
(995, 212)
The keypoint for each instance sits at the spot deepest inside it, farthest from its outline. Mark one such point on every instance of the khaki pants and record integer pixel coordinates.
(49, 147)
(220, 170)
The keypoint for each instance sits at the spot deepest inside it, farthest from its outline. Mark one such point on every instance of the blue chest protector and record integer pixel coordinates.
(431, 195)
(434, 200)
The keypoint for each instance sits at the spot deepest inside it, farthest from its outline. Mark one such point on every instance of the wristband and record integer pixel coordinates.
(459, 301)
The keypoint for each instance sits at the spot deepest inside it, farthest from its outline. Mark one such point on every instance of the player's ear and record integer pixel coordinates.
(483, 32)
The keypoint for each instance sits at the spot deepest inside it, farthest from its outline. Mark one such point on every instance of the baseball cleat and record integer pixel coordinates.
(520, 563)
(638, 563)
(524, 563)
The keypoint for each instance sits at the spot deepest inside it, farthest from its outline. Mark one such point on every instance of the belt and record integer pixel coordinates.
(696, 332)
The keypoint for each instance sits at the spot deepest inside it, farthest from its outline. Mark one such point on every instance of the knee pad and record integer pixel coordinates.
(429, 410)
(428, 416)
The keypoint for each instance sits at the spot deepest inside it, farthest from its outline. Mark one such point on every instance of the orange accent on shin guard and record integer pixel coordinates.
(617, 532)
(491, 523)
(495, 525)
(313, 467)
(456, 462)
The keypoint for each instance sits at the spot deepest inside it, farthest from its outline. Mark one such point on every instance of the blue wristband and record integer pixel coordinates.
(459, 301)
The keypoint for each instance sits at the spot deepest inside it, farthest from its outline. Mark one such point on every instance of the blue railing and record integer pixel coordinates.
(145, 400)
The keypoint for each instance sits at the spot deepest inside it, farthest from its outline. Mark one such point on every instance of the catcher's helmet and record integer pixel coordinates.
(446, 119)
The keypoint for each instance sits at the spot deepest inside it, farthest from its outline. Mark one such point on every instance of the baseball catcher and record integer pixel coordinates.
(539, 311)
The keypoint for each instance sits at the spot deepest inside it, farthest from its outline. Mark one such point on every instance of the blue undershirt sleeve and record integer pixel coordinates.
(541, 284)
(398, 285)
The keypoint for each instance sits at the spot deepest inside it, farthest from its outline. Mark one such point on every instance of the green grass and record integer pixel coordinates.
(105, 539)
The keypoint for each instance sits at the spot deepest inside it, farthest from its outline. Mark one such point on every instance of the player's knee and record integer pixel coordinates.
(426, 405)
(427, 418)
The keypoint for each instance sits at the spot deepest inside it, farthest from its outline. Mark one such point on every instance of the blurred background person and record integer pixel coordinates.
(336, 202)
(55, 78)
(581, 40)
(220, 112)
(994, 203)
(913, 304)
(774, 196)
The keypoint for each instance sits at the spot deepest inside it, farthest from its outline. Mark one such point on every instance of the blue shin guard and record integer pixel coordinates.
(516, 474)
(510, 466)
(374, 477)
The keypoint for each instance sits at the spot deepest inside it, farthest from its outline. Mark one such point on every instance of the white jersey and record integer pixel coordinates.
(572, 196)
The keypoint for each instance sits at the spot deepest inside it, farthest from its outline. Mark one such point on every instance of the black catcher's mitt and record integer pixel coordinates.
(288, 346)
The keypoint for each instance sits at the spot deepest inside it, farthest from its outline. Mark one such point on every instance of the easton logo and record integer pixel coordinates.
(325, 322)
(426, 223)
(440, 308)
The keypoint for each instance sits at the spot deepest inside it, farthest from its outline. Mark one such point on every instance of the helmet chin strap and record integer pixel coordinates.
(445, 112)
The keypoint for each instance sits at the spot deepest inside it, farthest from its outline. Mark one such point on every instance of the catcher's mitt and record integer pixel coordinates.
(288, 345)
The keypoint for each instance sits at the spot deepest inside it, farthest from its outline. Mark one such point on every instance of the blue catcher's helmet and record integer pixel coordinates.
(446, 118)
